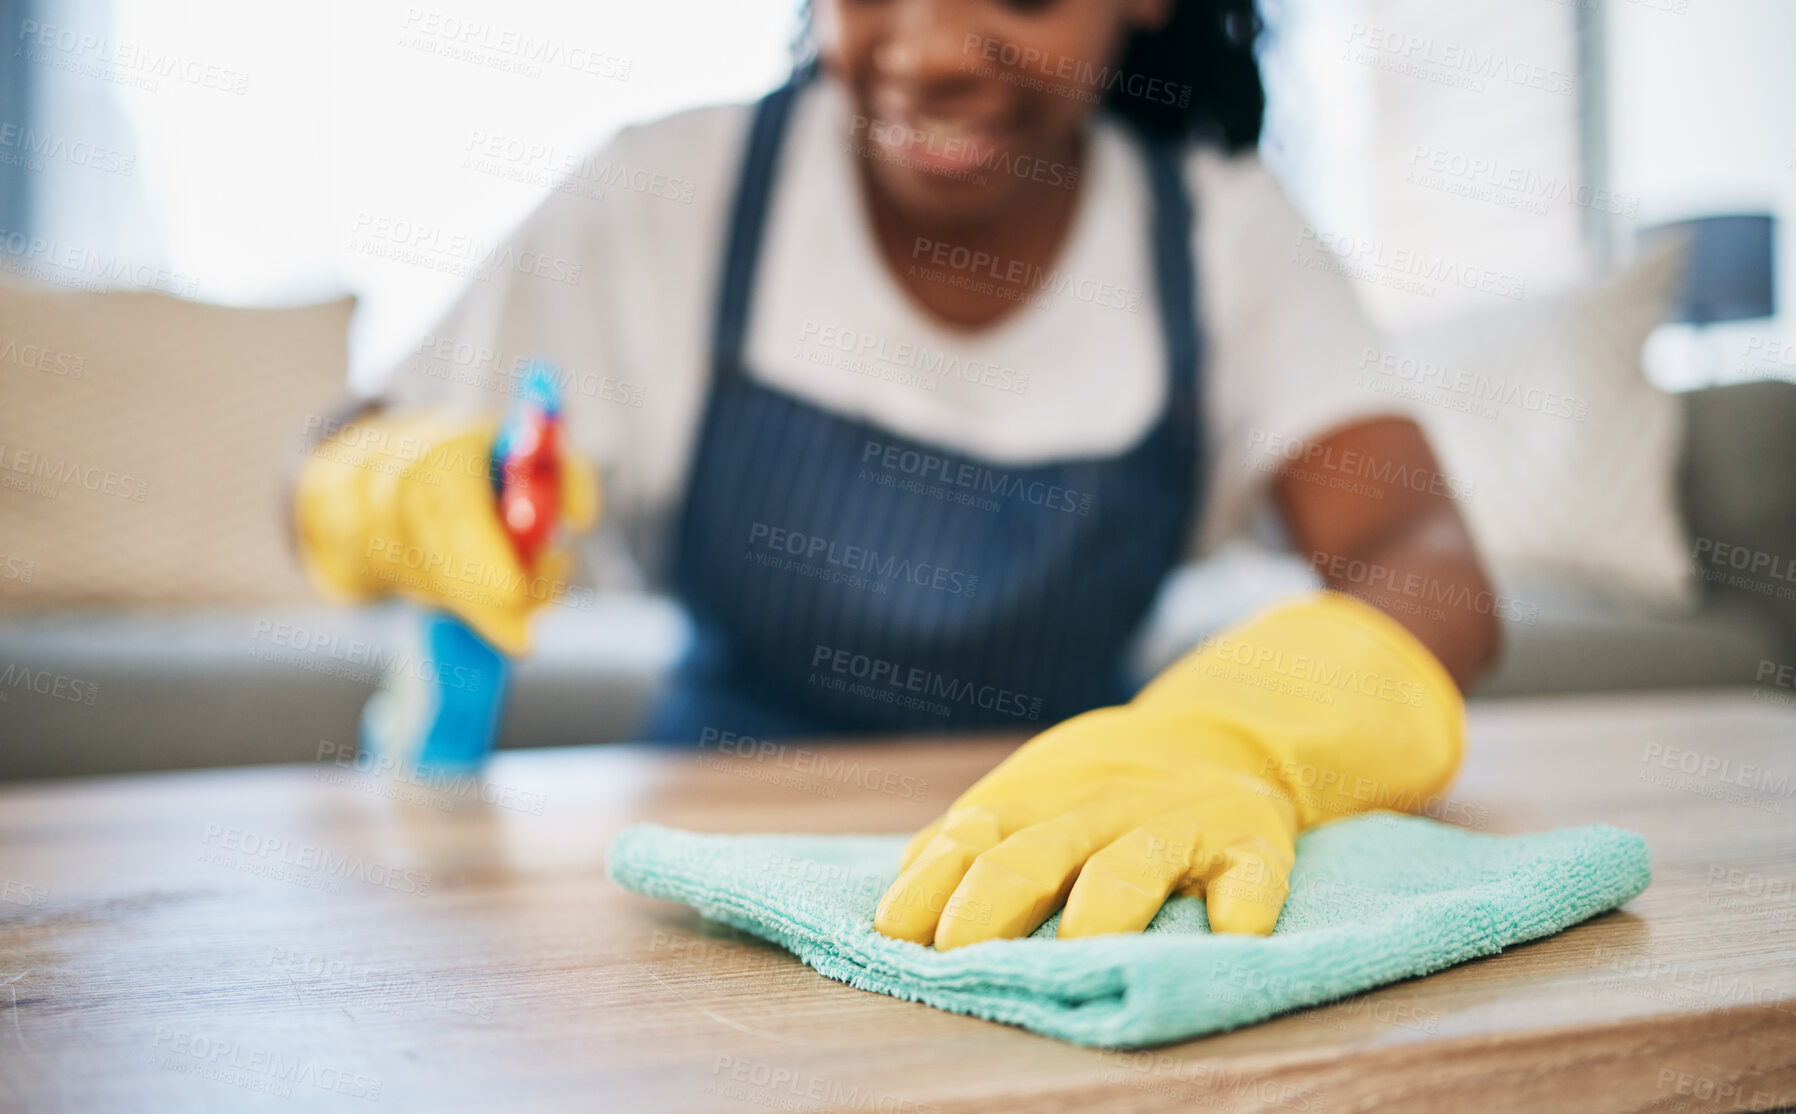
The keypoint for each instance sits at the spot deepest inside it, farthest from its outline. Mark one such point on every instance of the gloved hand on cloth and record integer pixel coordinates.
(404, 504)
(1310, 712)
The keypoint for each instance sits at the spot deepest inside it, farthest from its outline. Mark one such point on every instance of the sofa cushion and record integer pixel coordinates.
(1739, 497)
(171, 689)
(1578, 640)
(145, 444)
(1567, 635)
(1567, 455)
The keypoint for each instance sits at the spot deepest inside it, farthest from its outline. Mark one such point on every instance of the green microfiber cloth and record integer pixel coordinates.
(1374, 899)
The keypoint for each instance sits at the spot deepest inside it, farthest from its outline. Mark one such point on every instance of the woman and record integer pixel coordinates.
(942, 369)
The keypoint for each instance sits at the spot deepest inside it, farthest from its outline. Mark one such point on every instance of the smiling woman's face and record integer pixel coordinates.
(965, 107)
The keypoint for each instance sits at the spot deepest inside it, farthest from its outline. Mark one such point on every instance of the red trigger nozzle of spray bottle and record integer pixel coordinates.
(526, 464)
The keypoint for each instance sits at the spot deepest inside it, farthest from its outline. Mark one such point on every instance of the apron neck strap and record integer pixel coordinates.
(748, 217)
(1175, 275)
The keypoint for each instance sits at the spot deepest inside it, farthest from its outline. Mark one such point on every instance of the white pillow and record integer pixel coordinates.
(1572, 456)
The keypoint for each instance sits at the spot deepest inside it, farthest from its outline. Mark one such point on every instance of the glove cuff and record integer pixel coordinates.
(1442, 693)
(1329, 699)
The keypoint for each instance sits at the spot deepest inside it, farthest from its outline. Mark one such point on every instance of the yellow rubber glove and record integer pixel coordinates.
(403, 505)
(1309, 712)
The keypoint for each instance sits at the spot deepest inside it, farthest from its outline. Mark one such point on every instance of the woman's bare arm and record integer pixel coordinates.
(1368, 507)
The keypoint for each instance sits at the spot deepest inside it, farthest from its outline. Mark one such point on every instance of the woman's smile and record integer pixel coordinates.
(944, 144)
(950, 110)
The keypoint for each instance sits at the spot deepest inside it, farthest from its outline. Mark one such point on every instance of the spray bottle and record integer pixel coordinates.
(439, 705)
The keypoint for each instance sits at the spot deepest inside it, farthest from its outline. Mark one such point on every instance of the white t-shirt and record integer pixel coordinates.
(614, 278)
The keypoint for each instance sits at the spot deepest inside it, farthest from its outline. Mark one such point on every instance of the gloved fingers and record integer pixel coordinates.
(486, 587)
(347, 496)
(1126, 882)
(483, 585)
(1243, 864)
(404, 505)
(507, 631)
(1248, 894)
(913, 904)
(1181, 849)
(451, 552)
(1012, 888)
(457, 535)
(331, 517)
(581, 497)
(498, 611)
(920, 841)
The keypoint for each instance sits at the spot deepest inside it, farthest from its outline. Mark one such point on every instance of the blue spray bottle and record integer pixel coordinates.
(439, 706)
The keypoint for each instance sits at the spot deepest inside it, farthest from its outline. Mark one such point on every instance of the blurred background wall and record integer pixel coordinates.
(1532, 139)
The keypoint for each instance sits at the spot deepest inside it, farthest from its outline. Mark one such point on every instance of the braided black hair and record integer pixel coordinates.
(1197, 75)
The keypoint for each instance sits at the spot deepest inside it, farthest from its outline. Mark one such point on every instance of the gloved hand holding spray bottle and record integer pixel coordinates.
(457, 515)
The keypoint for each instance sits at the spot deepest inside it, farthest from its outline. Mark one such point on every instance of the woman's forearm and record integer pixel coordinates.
(1391, 534)
(1428, 579)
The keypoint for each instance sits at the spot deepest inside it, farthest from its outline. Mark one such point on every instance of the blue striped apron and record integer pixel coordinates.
(843, 579)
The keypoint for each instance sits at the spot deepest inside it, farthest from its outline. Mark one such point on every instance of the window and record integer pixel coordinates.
(230, 151)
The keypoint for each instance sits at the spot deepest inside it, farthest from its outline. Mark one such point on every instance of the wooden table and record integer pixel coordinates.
(292, 938)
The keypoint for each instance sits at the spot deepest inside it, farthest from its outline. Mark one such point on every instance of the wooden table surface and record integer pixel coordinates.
(295, 938)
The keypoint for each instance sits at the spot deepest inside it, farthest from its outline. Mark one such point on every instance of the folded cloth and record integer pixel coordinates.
(1374, 899)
